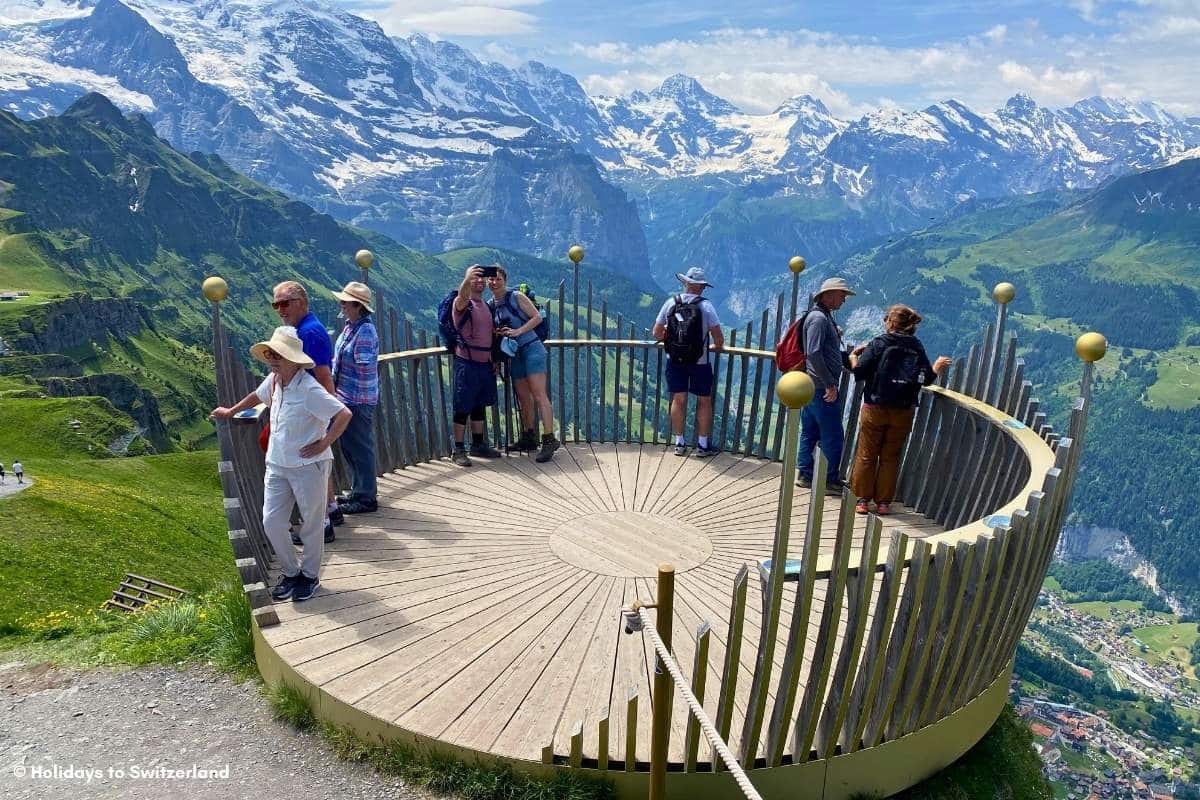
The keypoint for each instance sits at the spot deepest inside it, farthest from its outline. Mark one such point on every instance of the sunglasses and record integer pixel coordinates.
(278, 304)
(271, 355)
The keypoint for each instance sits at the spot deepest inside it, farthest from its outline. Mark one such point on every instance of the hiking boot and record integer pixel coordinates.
(342, 499)
(336, 518)
(360, 507)
(305, 588)
(681, 449)
(549, 445)
(485, 450)
(527, 442)
(459, 456)
(834, 488)
(803, 481)
(707, 452)
(284, 589)
(329, 534)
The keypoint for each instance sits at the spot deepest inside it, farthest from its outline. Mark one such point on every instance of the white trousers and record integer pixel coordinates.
(306, 487)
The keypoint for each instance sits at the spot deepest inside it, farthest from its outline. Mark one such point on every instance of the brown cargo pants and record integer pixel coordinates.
(881, 435)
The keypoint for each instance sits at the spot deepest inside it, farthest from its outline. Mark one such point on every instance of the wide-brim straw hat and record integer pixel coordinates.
(356, 292)
(286, 342)
(695, 275)
(835, 285)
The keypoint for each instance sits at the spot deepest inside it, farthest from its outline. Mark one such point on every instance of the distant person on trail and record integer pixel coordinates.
(1, 474)
(893, 367)
(19, 471)
(821, 420)
(686, 324)
(305, 421)
(470, 320)
(290, 301)
(517, 318)
(356, 378)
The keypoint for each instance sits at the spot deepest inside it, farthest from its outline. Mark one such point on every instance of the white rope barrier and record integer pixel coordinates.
(710, 732)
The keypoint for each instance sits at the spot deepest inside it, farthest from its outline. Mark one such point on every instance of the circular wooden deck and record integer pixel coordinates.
(481, 606)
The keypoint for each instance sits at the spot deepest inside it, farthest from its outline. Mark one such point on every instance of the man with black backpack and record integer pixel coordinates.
(686, 324)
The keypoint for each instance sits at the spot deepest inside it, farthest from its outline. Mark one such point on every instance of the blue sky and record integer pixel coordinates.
(854, 55)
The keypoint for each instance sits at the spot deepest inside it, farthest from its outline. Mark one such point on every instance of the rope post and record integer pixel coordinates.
(660, 730)
(795, 390)
(365, 260)
(796, 265)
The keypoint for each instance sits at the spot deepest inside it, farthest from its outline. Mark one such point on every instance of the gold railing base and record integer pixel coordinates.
(879, 771)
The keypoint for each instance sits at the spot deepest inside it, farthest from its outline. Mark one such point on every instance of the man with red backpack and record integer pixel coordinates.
(686, 324)
(824, 360)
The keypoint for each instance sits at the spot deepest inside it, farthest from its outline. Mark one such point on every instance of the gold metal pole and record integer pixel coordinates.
(795, 390)
(365, 260)
(660, 729)
(796, 265)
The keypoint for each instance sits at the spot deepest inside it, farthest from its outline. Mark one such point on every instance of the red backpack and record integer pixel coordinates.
(789, 352)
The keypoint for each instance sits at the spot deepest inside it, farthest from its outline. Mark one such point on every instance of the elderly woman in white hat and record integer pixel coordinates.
(305, 421)
(356, 384)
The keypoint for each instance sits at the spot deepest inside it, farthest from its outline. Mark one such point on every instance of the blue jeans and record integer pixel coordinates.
(821, 422)
(358, 447)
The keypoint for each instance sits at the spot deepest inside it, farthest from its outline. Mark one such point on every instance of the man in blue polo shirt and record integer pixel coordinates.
(290, 301)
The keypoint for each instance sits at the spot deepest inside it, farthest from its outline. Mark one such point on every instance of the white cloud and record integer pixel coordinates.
(455, 17)
(1142, 51)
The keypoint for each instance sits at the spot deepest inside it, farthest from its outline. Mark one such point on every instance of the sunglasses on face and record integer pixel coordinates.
(271, 355)
(278, 304)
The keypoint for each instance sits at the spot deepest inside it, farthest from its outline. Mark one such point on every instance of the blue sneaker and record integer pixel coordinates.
(306, 587)
(284, 589)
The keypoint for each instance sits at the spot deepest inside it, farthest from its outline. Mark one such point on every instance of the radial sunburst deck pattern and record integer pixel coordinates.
(481, 606)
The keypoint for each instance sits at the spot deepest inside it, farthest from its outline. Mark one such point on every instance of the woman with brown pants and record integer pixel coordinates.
(893, 367)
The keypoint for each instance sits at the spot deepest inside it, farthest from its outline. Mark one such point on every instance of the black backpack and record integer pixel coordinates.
(685, 331)
(899, 377)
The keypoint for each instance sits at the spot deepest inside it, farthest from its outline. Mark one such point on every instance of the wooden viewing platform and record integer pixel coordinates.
(478, 612)
(481, 606)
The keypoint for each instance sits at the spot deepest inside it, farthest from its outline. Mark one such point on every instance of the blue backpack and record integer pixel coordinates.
(451, 336)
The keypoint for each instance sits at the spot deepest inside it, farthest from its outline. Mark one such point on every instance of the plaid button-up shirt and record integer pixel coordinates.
(356, 364)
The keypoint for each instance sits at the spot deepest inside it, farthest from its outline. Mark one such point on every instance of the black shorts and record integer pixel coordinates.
(474, 385)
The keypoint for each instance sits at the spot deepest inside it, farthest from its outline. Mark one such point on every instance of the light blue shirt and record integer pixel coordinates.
(708, 313)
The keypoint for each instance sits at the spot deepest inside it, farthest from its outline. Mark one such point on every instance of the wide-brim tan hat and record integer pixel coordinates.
(695, 276)
(356, 292)
(286, 342)
(835, 285)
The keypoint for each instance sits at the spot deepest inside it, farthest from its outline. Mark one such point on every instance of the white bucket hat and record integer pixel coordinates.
(835, 285)
(286, 342)
(694, 275)
(356, 292)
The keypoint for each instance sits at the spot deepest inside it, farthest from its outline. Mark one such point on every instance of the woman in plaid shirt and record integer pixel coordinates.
(356, 381)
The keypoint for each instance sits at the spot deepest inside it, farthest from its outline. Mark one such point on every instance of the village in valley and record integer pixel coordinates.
(1118, 742)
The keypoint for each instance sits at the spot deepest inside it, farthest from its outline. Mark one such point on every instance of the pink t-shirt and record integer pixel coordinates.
(476, 331)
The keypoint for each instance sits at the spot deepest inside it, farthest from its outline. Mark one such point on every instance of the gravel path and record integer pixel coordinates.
(155, 719)
(11, 487)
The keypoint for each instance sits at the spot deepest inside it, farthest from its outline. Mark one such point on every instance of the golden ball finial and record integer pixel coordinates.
(797, 264)
(365, 259)
(795, 389)
(1004, 293)
(1091, 347)
(575, 253)
(215, 289)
